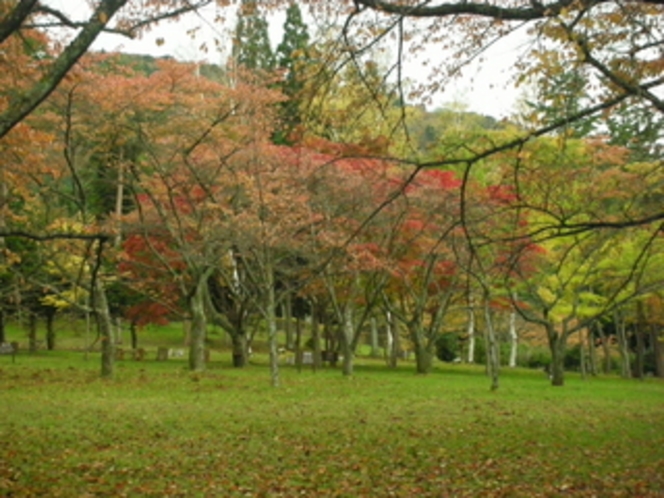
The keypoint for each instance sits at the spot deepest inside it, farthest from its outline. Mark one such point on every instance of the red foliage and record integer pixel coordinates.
(148, 312)
(439, 179)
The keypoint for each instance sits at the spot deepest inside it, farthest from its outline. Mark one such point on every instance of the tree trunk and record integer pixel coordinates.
(514, 340)
(271, 319)
(592, 353)
(117, 322)
(315, 335)
(3, 333)
(639, 364)
(625, 367)
(606, 367)
(658, 351)
(375, 352)
(346, 342)
(103, 316)
(287, 313)
(392, 340)
(50, 330)
(492, 354)
(582, 357)
(133, 334)
(557, 343)
(422, 350)
(423, 359)
(240, 349)
(119, 202)
(198, 330)
(298, 344)
(471, 334)
(639, 332)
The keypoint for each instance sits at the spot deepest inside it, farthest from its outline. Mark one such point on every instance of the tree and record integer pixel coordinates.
(613, 44)
(27, 16)
(189, 183)
(251, 43)
(574, 284)
(423, 279)
(292, 57)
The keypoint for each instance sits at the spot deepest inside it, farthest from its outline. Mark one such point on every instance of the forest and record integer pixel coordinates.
(304, 196)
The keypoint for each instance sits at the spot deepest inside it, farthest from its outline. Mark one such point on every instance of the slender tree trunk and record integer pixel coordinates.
(299, 356)
(103, 316)
(315, 335)
(640, 332)
(287, 308)
(606, 367)
(471, 333)
(117, 321)
(346, 342)
(639, 364)
(133, 332)
(50, 330)
(625, 367)
(389, 340)
(658, 351)
(582, 357)
(592, 353)
(88, 327)
(271, 318)
(3, 333)
(198, 330)
(375, 350)
(392, 345)
(492, 355)
(514, 340)
(119, 201)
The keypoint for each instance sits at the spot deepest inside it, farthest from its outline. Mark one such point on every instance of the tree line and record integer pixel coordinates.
(296, 178)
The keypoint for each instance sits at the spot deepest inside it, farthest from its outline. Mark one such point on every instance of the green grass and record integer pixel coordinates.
(158, 430)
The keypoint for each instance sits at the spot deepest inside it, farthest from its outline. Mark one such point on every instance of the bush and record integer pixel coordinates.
(447, 347)
(538, 358)
(572, 359)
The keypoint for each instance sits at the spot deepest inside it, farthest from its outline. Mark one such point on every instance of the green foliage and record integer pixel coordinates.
(292, 57)
(295, 40)
(251, 44)
(561, 97)
(447, 346)
(634, 125)
(158, 430)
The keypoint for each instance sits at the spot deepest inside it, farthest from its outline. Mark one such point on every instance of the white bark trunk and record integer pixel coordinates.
(119, 201)
(514, 340)
(347, 339)
(492, 347)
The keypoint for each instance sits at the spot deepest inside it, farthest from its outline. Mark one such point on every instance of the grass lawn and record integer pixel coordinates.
(158, 430)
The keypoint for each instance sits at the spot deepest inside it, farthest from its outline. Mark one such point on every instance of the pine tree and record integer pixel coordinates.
(291, 56)
(251, 45)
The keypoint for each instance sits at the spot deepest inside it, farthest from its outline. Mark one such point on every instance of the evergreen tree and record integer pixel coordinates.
(636, 126)
(295, 41)
(251, 45)
(562, 97)
(291, 56)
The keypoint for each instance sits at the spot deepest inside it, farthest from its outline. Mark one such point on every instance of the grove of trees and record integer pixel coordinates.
(308, 183)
